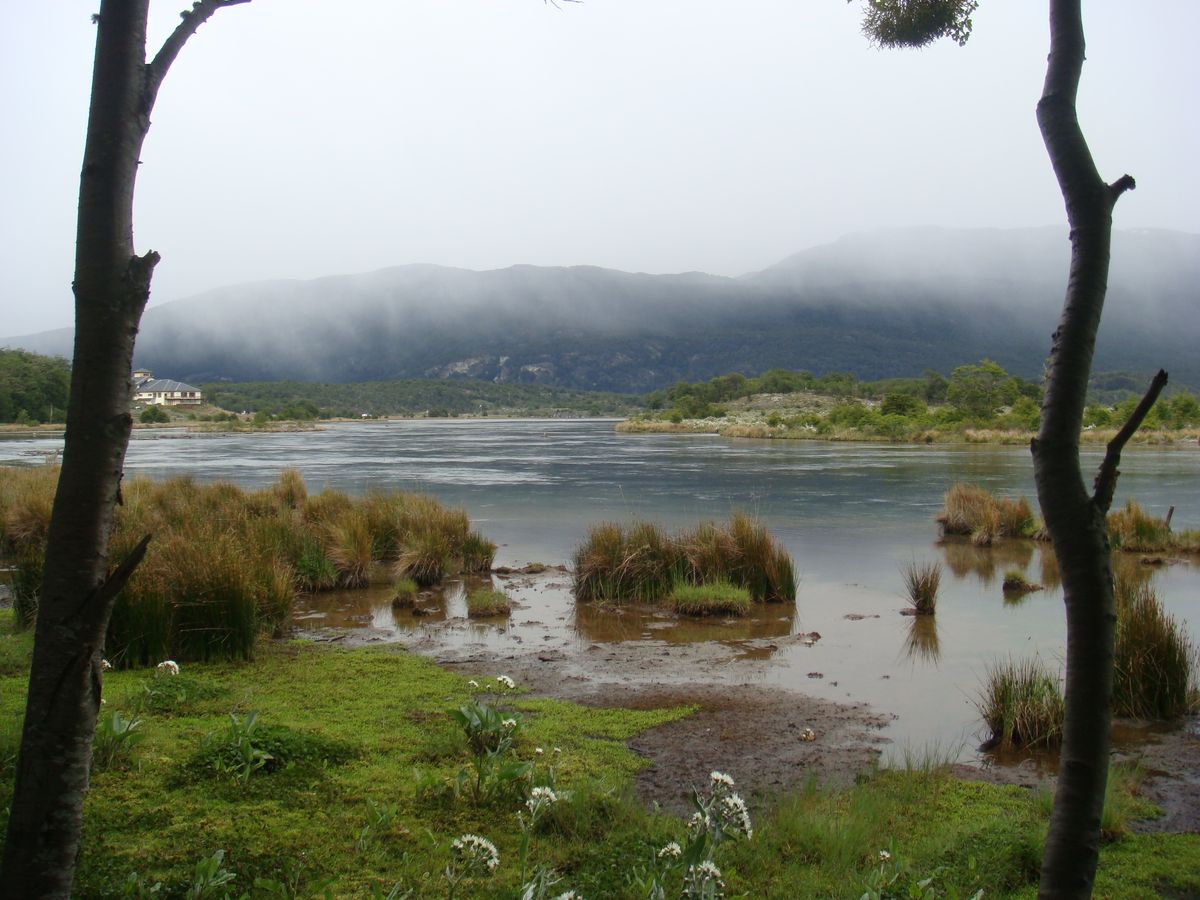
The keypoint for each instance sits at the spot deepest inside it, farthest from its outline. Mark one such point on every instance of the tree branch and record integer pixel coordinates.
(1121, 185)
(193, 18)
(1106, 478)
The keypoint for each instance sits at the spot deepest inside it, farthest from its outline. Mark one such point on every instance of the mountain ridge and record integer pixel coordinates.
(880, 304)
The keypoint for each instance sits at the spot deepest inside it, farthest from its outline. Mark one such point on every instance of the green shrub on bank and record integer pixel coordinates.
(642, 563)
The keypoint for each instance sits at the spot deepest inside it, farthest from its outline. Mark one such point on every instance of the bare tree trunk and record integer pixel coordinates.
(112, 285)
(1074, 518)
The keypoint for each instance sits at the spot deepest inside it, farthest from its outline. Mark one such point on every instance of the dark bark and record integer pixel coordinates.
(1074, 518)
(112, 285)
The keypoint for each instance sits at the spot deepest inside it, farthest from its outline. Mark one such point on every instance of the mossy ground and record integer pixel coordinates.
(158, 818)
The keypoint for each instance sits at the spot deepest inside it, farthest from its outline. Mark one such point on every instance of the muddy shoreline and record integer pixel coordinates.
(772, 739)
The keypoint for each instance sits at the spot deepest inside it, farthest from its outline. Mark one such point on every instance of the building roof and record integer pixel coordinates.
(164, 385)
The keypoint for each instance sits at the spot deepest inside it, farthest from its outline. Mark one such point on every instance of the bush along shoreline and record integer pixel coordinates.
(225, 564)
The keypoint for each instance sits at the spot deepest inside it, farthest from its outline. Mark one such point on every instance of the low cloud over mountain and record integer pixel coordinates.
(879, 304)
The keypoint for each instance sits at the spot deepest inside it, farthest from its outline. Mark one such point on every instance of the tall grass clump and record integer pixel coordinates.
(224, 564)
(485, 602)
(1134, 529)
(968, 509)
(1155, 661)
(1022, 705)
(643, 564)
(922, 581)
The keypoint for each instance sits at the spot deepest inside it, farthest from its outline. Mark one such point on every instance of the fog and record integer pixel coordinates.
(303, 138)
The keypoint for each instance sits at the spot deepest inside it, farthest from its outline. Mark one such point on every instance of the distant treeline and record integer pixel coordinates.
(974, 395)
(33, 388)
(441, 397)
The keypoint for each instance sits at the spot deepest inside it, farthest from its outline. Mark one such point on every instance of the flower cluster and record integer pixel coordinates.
(168, 667)
(540, 798)
(505, 682)
(509, 724)
(735, 817)
(105, 665)
(720, 780)
(670, 851)
(475, 854)
(703, 880)
(884, 856)
(698, 824)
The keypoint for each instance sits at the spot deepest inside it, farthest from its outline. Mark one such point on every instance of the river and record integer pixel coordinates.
(852, 515)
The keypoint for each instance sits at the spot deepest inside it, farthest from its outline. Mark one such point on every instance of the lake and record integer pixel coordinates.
(852, 515)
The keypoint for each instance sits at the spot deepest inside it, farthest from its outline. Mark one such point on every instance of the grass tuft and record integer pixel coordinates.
(1022, 705)
(922, 581)
(488, 602)
(1155, 661)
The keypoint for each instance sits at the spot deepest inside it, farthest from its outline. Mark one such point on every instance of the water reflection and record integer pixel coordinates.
(984, 563)
(922, 643)
(605, 623)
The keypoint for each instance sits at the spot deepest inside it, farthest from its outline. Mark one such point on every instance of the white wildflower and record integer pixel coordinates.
(720, 779)
(698, 823)
(105, 665)
(473, 683)
(884, 856)
(703, 880)
(557, 750)
(670, 851)
(168, 667)
(736, 815)
(508, 723)
(538, 750)
(569, 895)
(506, 682)
(541, 797)
(476, 852)
(808, 735)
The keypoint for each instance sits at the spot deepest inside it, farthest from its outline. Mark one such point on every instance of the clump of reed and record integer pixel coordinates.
(968, 509)
(224, 564)
(922, 582)
(487, 602)
(1022, 705)
(642, 563)
(712, 598)
(1135, 530)
(1155, 662)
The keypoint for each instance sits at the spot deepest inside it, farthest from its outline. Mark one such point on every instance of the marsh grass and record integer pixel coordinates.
(1022, 705)
(1155, 660)
(404, 593)
(1016, 585)
(484, 602)
(224, 564)
(713, 598)
(968, 509)
(922, 582)
(642, 563)
(1135, 530)
(477, 553)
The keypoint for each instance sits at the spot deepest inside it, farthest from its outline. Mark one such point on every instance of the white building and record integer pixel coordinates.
(162, 391)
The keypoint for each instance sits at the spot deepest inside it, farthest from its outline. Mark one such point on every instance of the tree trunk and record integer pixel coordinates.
(1074, 518)
(111, 286)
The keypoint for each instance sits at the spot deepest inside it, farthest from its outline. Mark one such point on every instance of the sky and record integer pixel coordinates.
(301, 138)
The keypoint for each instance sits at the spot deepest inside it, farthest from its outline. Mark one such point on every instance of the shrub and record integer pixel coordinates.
(1022, 705)
(1155, 662)
(922, 581)
(712, 598)
(154, 415)
(488, 602)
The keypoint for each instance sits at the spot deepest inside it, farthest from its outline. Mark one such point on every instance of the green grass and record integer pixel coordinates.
(1155, 660)
(1022, 705)
(922, 581)
(488, 602)
(404, 593)
(348, 727)
(714, 598)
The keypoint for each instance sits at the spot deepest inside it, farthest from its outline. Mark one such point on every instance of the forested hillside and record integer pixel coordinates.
(33, 388)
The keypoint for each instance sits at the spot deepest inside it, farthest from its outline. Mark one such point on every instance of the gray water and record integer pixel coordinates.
(851, 515)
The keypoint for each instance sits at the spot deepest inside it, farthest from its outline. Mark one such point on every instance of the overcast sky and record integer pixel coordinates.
(299, 138)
